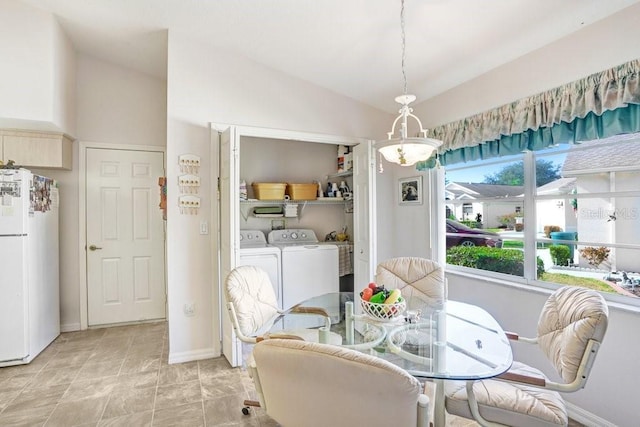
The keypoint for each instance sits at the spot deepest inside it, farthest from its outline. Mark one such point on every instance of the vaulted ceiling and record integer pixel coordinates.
(352, 47)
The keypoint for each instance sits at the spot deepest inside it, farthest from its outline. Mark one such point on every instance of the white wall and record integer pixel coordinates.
(114, 105)
(408, 223)
(119, 105)
(612, 389)
(36, 77)
(600, 46)
(208, 85)
(63, 97)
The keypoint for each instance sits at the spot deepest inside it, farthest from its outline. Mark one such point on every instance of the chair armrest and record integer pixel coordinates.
(279, 336)
(524, 379)
(309, 310)
(317, 311)
(513, 336)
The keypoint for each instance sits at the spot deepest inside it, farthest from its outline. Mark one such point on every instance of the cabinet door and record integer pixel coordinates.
(38, 151)
(364, 258)
(229, 231)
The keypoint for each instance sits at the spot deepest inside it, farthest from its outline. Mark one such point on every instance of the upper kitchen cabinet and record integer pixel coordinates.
(31, 149)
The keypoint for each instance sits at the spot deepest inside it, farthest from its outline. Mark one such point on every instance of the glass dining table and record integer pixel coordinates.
(439, 341)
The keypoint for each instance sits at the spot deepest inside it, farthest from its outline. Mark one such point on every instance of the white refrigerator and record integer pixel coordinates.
(29, 267)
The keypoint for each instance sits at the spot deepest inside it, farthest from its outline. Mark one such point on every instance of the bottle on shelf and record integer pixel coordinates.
(243, 190)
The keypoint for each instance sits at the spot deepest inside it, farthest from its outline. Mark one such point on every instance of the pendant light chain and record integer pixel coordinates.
(398, 148)
(404, 73)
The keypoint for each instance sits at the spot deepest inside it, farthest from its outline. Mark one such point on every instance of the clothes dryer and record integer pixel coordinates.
(309, 267)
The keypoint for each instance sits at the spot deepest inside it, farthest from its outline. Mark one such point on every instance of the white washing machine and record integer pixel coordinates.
(309, 267)
(254, 250)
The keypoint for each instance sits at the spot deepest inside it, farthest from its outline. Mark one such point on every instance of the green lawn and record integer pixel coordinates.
(519, 244)
(584, 282)
(512, 244)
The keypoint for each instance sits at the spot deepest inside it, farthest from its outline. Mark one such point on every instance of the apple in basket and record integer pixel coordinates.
(379, 295)
(374, 293)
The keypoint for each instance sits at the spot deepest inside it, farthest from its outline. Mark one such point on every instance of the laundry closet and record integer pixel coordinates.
(268, 160)
(293, 192)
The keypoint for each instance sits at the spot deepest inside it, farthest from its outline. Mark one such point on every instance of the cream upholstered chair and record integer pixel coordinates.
(317, 385)
(253, 309)
(419, 278)
(571, 328)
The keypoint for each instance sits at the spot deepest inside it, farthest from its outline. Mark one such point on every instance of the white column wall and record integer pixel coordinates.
(36, 77)
(118, 105)
(63, 98)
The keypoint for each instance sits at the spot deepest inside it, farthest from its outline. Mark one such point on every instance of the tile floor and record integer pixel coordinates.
(120, 377)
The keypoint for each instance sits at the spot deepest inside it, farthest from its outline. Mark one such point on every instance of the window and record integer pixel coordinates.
(574, 221)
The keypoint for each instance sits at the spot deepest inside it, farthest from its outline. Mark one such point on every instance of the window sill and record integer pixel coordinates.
(535, 286)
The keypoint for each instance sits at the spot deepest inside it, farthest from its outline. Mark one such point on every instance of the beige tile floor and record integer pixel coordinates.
(120, 377)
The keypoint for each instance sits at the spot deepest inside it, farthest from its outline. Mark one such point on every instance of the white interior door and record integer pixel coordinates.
(364, 215)
(125, 236)
(229, 229)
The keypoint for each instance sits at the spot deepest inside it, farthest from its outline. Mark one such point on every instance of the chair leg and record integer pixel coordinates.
(247, 404)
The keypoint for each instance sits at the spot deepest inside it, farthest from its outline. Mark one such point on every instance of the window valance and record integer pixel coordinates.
(597, 106)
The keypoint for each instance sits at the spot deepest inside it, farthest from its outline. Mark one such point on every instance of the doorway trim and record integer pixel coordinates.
(82, 212)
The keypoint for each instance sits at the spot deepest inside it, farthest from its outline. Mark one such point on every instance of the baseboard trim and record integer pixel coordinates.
(70, 327)
(585, 417)
(190, 356)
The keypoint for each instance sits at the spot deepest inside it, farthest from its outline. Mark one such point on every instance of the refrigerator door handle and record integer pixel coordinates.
(94, 248)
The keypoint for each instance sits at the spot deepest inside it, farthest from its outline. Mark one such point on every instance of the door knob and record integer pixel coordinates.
(94, 248)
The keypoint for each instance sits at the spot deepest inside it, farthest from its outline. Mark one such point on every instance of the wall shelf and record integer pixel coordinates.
(321, 201)
(340, 174)
(246, 205)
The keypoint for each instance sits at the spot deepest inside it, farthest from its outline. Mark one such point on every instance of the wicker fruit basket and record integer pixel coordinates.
(383, 312)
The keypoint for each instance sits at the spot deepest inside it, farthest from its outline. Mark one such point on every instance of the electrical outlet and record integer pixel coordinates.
(190, 309)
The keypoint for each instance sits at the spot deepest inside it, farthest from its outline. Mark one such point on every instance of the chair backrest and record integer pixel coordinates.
(250, 292)
(571, 327)
(308, 384)
(414, 277)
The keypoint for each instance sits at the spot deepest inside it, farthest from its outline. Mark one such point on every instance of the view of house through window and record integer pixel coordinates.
(583, 206)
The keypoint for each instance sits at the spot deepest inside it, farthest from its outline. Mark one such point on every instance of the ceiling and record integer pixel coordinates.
(352, 47)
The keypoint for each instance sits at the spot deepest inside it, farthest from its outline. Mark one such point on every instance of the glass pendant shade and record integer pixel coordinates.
(409, 151)
(403, 150)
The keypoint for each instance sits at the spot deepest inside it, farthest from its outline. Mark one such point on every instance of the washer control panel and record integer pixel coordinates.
(252, 238)
(292, 236)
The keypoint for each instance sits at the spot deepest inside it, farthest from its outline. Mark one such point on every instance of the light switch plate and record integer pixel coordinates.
(204, 227)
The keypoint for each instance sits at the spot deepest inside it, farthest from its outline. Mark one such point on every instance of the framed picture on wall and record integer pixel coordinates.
(410, 190)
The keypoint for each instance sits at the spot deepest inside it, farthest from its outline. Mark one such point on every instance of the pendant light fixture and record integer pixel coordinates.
(401, 149)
